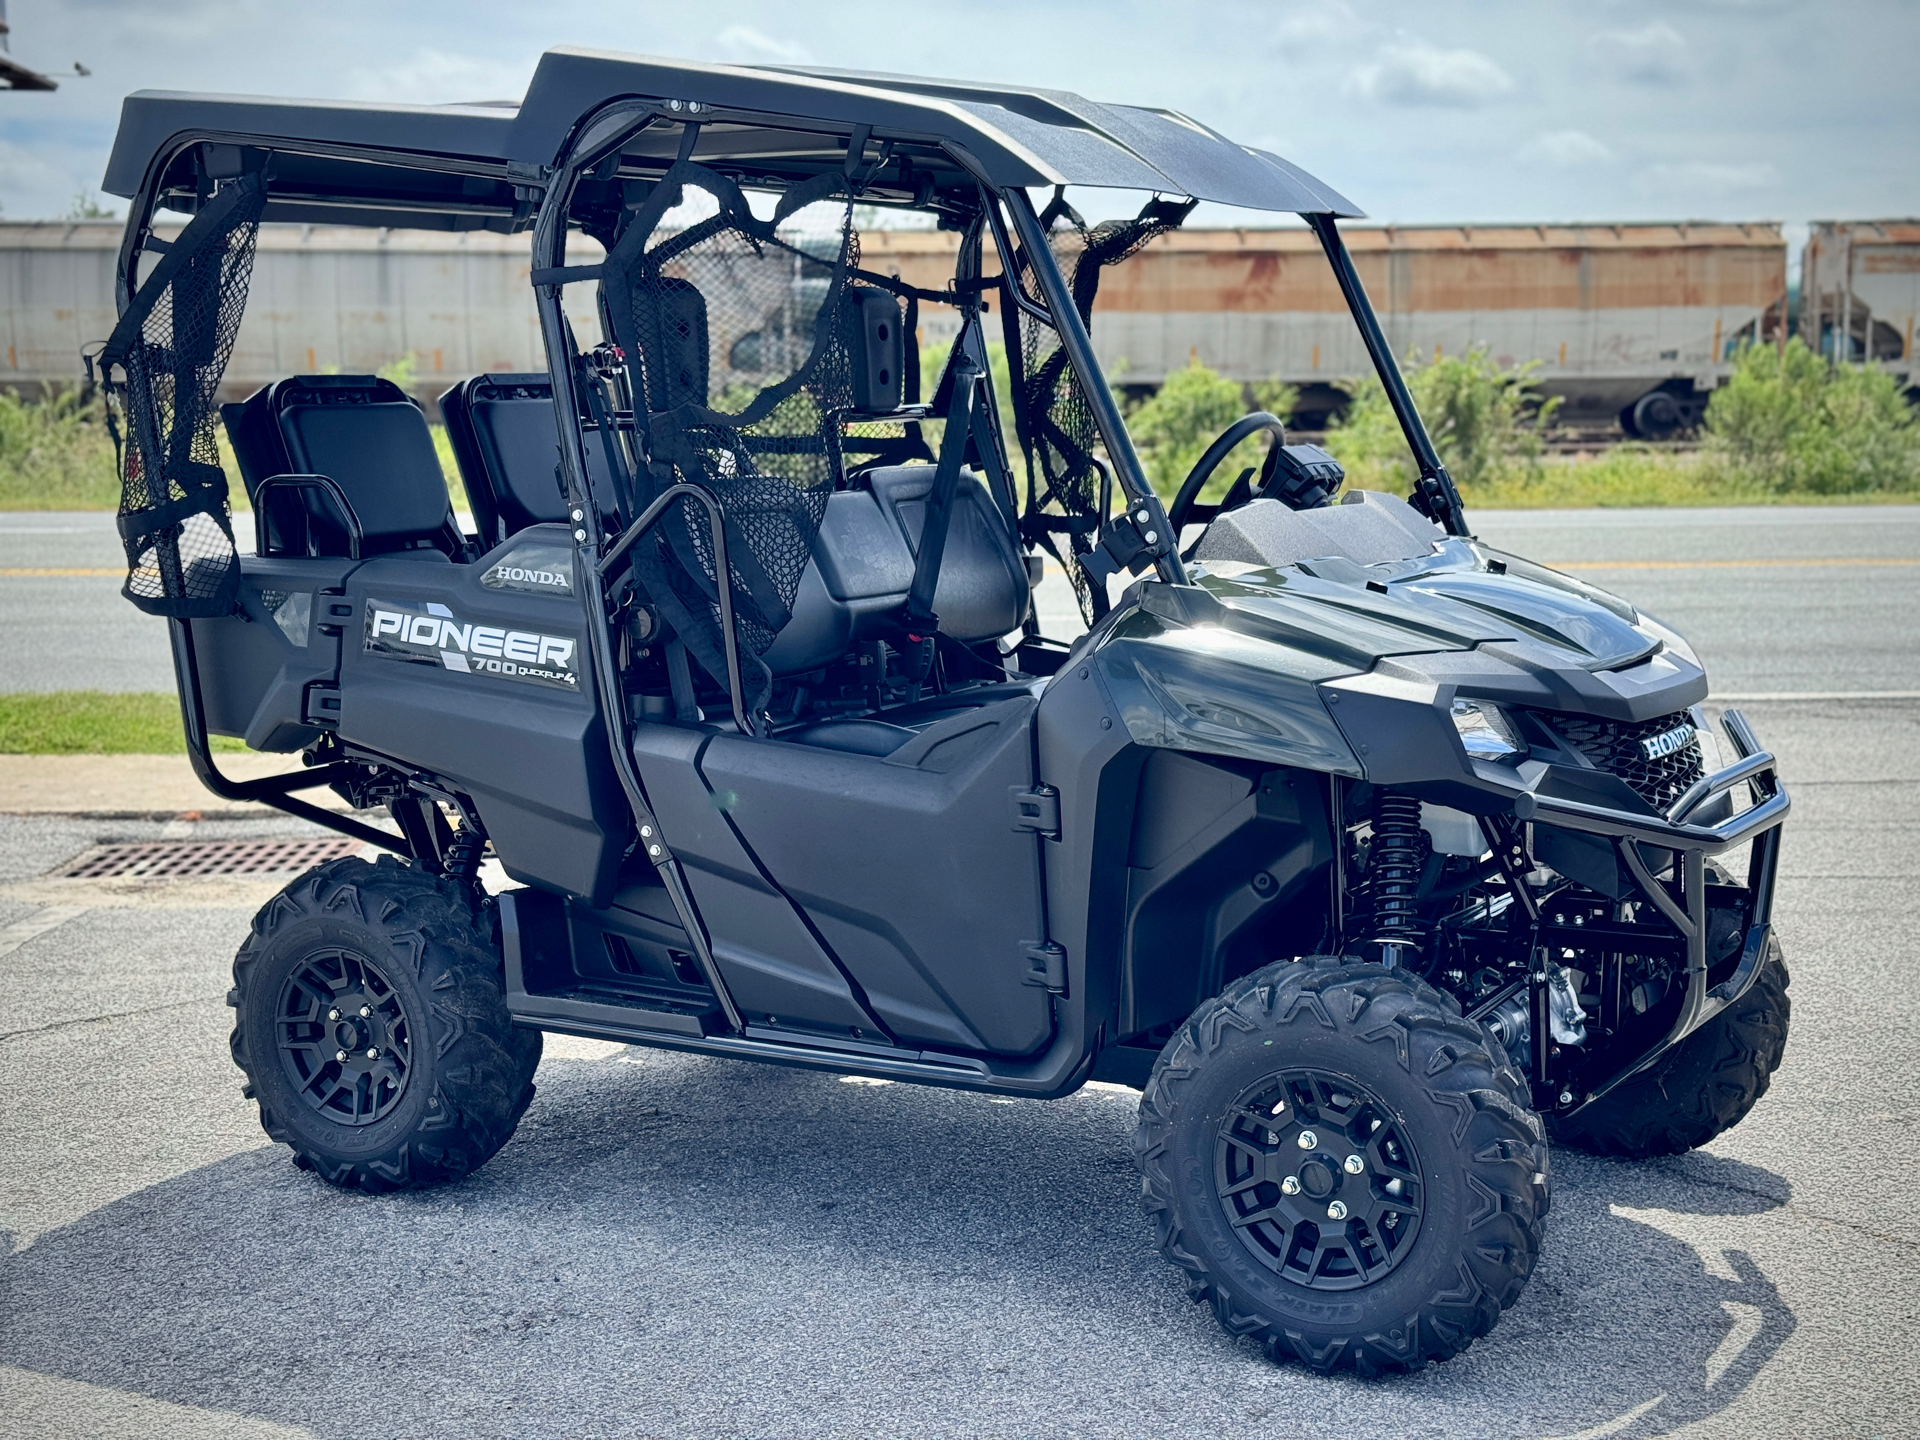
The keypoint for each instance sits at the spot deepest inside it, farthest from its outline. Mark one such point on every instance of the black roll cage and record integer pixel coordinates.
(548, 196)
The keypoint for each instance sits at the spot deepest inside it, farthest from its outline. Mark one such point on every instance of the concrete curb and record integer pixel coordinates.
(137, 787)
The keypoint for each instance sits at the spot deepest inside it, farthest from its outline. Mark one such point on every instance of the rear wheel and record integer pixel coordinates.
(373, 1029)
(1342, 1167)
(1705, 1084)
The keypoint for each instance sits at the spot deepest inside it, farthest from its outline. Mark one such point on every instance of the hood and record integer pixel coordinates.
(1460, 597)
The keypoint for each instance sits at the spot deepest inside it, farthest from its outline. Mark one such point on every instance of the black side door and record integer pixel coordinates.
(910, 869)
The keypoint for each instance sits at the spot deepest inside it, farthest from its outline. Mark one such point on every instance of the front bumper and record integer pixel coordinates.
(1683, 900)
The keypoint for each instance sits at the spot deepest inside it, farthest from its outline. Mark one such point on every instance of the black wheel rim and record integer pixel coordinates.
(1319, 1180)
(345, 1039)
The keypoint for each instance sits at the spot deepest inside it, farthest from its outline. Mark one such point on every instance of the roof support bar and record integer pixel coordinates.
(1078, 344)
(1434, 493)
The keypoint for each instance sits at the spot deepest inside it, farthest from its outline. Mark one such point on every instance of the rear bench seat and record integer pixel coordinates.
(369, 437)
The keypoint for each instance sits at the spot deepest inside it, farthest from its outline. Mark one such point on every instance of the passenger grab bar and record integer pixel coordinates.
(716, 521)
(326, 485)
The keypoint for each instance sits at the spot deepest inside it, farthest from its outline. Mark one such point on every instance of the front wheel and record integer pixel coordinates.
(373, 1029)
(1342, 1167)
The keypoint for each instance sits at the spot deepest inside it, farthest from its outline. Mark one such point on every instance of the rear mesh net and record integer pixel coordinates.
(164, 365)
(741, 340)
(1054, 422)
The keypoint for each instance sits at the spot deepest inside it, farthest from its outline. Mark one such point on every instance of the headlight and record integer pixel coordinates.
(1485, 731)
(1711, 758)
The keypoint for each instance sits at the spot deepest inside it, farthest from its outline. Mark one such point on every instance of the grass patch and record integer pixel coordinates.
(95, 722)
(55, 454)
(1634, 475)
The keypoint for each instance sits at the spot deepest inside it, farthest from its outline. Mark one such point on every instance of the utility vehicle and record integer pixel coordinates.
(1374, 855)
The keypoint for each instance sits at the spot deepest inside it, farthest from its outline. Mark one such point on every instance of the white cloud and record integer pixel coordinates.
(1565, 150)
(1317, 25)
(1422, 74)
(43, 180)
(749, 46)
(439, 77)
(1708, 180)
(1656, 54)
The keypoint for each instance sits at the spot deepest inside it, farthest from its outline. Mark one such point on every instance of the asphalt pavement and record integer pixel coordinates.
(674, 1246)
(1787, 599)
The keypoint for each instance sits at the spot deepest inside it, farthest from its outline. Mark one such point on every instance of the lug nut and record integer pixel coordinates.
(1355, 1164)
(1308, 1139)
(366, 1010)
(340, 1055)
(1566, 1097)
(1290, 1186)
(373, 1053)
(333, 1014)
(1337, 1210)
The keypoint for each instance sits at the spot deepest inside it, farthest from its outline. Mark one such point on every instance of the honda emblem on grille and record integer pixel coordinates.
(1667, 742)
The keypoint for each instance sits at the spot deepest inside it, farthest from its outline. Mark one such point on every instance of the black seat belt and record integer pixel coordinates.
(921, 624)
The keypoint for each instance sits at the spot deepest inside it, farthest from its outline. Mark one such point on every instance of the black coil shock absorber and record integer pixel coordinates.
(463, 853)
(1393, 875)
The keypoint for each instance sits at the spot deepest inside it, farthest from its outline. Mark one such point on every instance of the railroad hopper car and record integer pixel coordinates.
(325, 298)
(1638, 321)
(1861, 279)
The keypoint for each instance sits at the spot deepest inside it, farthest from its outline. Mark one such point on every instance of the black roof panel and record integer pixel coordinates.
(150, 119)
(1013, 137)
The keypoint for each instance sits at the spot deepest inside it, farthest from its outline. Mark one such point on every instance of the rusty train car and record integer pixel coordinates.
(1634, 321)
(1861, 279)
(336, 298)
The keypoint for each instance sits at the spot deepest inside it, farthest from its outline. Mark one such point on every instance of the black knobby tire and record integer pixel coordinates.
(1705, 1084)
(455, 1075)
(1481, 1156)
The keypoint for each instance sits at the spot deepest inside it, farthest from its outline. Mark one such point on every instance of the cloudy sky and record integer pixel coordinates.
(1443, 111)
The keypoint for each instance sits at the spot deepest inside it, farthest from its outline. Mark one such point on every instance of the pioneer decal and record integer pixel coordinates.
(534, 568)
(431, 634)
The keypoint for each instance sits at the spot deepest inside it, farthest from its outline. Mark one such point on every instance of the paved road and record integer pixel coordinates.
(1784, 599)
(1787, 599)
(677, 1246)
(684, 1247)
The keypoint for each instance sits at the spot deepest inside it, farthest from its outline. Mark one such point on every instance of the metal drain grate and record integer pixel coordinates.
(184, 859)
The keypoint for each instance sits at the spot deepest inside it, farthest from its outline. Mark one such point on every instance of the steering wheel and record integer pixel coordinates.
(1181, 511)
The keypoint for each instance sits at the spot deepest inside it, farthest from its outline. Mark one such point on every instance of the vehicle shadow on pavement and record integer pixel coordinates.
(1639, 1300)
(680, 1246)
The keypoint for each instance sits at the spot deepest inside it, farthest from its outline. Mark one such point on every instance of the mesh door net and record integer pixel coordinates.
(1056, 425)
(740, 332)
(171, 348)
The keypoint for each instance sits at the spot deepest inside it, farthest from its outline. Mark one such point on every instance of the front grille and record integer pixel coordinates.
(1614, 746)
